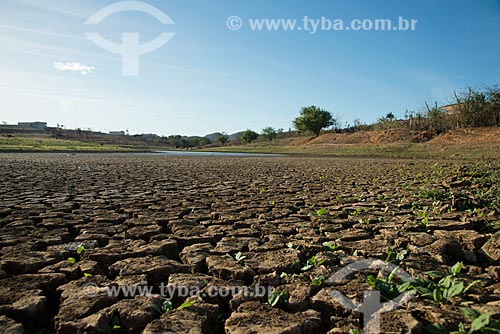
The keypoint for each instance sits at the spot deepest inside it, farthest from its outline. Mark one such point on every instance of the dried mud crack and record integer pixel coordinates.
(77, 229)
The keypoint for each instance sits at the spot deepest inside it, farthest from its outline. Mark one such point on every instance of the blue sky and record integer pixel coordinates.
(208, 78)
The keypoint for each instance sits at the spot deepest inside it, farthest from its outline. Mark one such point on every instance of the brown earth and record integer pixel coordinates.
(146, 221)
(404, 135)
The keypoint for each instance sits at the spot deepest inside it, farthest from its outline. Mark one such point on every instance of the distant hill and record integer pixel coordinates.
(234, 136)
(212, 136)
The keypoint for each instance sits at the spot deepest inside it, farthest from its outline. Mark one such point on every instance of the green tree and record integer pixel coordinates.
(269, 133)
(249, 136)
(313, 119)
(222, 138)
(435, 117)
(479, 108)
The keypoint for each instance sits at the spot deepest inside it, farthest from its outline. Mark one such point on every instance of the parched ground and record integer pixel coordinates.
(75, 227)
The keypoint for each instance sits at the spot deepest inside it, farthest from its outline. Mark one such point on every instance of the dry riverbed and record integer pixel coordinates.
(73, 227)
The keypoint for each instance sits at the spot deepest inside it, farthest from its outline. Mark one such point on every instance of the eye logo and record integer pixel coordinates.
(129, 49)
(371, 306)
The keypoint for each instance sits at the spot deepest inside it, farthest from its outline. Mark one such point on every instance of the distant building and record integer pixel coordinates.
(452, 109)
(32, 125)
(117, 133)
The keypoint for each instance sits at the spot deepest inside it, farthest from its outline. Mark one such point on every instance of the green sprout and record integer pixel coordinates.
(332, 246)
(356, 212)
(318, 281)
(276, 296)
(395, 256)
(80, 249)
(424, 219)
(478, 323)
(116, 323)
(186, 304)
(238, 257)
(312, 262)
(440, 291)
(321, 212)
(165, 307)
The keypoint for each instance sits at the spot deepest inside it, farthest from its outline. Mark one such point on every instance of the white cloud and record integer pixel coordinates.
(74, 67)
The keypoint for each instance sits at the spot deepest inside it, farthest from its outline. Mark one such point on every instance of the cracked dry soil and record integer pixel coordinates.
(144, 221)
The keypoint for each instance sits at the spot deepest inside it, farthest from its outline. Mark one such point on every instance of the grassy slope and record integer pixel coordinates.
(473, 144)
(476, 144)
(420, 151)
(22, 144)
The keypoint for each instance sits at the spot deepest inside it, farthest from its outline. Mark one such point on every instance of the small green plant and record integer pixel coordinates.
(275, 296)
(312, 262)
(424, 218)
(116, 323)
(395, 256)
(87, 275)
(238, 257)
(78, 253)
(446, 288)
(332, 246)
(262, 190)
(165, 307)
(364, 221)
(321, 212)
(186, 304)
(318, 281)
(386, 285)
(356, 212)
(477, 323)
(80, 249)
(440, 291)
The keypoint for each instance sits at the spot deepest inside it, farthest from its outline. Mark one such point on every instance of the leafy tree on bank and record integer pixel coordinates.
(313, 119)
(269, 133)
(435, 118)
(479, 108)
(222, 138)
(249, 136)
